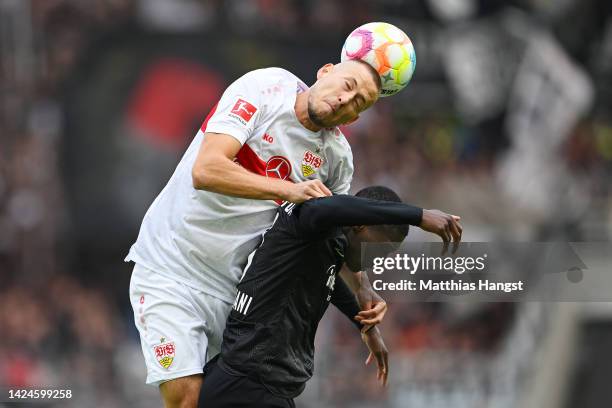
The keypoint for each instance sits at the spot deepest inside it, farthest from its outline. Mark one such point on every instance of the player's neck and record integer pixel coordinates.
(301, 112)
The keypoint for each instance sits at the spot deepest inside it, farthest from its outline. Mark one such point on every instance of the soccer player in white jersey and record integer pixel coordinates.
(269, 139)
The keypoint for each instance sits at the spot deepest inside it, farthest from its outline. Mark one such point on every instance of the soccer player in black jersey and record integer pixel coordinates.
(268, 345)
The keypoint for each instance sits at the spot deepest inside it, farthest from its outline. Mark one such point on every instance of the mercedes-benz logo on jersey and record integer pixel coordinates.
(278, 167)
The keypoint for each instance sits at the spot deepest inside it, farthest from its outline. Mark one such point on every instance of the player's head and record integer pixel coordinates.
(381, 233)
(373, 233)
(342, 92)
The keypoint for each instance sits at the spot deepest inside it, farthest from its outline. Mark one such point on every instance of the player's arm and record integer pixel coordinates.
(344, 300)
(364, 310)
(215, 170)
(233, 122)
(344, 210)
(373, 339)
(373, 307)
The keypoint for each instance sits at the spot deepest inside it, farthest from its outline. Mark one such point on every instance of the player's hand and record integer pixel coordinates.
(306, 190)
(373, 339)
(445, 225)
(373, 307)
(373, 316)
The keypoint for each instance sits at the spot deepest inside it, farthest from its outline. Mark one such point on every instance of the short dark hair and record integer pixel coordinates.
(373, 72)
(383, 193)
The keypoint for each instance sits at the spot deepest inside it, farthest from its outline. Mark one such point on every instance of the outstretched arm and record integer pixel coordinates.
(344, 210)
(347, 210)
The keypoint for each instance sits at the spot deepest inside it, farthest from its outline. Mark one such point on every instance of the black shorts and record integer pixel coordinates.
(222, 390)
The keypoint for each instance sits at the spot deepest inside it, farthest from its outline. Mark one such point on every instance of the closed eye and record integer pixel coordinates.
(360, 100)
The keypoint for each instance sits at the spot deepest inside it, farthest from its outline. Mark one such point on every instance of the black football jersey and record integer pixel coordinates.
(288, 284)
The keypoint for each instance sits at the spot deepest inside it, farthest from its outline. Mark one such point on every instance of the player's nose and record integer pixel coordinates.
(343, 99)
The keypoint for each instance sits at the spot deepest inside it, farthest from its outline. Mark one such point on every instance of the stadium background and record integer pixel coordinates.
(506, 122)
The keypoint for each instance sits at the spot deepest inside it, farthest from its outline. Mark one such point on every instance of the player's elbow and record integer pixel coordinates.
(201, 177)
(197, 179)
(210, 172)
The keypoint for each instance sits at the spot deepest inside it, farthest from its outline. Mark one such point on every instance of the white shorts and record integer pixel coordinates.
(180, 327)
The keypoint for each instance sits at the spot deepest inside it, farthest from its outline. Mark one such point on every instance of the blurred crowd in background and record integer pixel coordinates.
(506, 123)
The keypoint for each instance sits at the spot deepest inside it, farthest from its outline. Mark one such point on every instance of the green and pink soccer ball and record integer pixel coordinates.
(385, 48)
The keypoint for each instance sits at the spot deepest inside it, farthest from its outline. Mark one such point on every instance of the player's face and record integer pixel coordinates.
(378, 236)
(341, 93)
(360, 235)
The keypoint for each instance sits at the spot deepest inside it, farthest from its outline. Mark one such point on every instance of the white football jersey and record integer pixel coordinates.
(202, 238)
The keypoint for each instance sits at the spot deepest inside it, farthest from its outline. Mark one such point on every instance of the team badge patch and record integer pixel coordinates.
(311, 163)
(243, 111)
(164, 352)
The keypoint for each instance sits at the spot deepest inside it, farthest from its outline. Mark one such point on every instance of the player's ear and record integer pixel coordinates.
(324, 70)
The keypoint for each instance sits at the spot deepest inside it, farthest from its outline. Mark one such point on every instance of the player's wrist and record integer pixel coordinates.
(421, 212)
(283, 190)
(363, 280)
(273, 189)
(368, 329)
(426, 214)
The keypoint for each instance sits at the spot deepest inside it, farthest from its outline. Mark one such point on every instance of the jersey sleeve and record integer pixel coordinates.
(239, 109)
(321, 214)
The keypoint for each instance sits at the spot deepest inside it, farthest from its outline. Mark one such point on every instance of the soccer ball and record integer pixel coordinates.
(387, 49)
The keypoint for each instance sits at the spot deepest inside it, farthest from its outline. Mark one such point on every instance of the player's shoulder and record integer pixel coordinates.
(272, 76)
(274, 73)
(288, 220)
(336, 143)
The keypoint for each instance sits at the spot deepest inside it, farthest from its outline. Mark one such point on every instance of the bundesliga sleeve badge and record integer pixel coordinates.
(164, 352)
(243, 111)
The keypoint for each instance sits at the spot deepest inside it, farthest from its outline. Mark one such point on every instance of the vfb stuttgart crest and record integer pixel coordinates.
(164, 352)
(311, 163)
